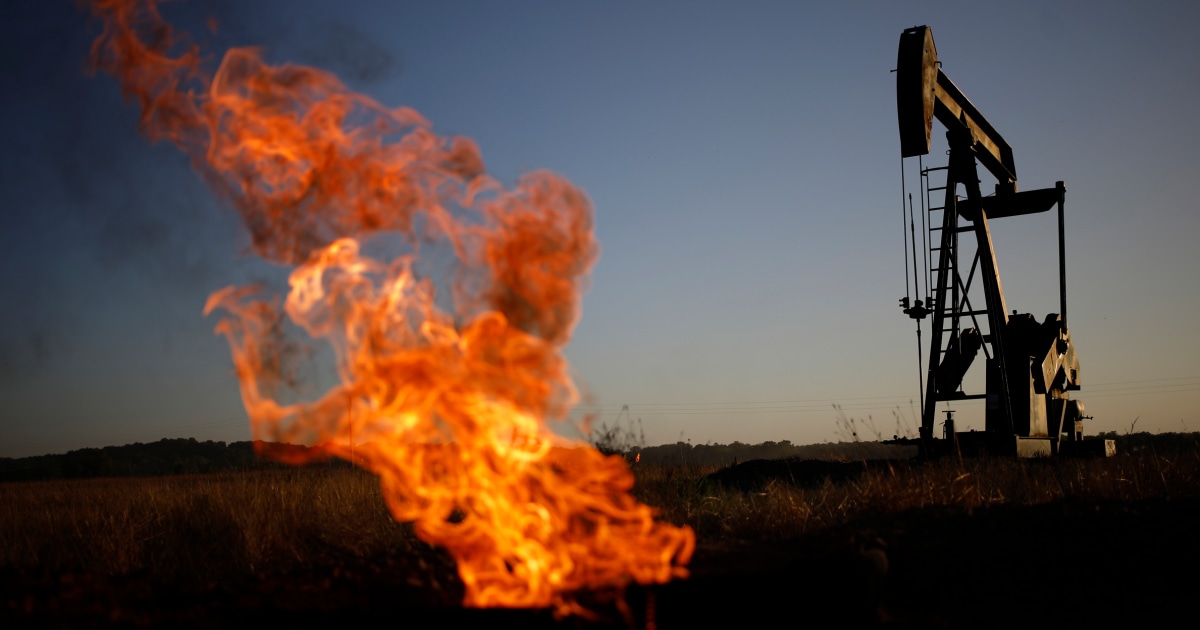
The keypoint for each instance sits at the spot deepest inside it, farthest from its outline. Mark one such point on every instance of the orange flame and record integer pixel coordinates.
(448, 406)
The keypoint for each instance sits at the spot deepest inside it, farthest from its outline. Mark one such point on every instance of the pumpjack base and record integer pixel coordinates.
(983, 444)
(1088, 448)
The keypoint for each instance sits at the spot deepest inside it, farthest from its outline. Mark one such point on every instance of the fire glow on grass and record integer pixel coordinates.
(448, 407)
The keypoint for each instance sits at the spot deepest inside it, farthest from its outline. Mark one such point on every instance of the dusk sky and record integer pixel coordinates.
(743, 160)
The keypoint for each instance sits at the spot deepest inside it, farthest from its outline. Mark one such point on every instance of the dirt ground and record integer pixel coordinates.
(1067, 564)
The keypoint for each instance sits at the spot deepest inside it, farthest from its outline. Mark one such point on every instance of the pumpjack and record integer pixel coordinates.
(1031, 366)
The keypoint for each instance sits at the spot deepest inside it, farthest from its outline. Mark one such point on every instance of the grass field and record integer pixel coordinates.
(200, 527)
(779, 500)
(202, 531)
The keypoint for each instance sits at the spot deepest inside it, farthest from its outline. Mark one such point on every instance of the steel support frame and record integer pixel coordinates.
(962, 170)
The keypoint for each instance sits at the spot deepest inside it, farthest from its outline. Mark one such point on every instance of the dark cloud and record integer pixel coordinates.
(131, 237)
(39, 344)
(167, 241)
(98, 223)
(220, 24)
(94, 215)
(27, 356)
(350, 54)
(329, 44)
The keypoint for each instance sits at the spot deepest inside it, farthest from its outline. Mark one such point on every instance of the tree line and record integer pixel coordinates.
(189, 456)
(165, 457)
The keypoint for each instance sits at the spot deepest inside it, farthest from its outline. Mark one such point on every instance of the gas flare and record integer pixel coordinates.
(448, 405)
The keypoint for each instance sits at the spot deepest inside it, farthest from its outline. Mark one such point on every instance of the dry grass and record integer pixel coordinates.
(781, 509)
(231, 526)
(200, 527)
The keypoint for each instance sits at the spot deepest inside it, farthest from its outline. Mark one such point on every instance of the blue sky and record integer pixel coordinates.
(743, 160)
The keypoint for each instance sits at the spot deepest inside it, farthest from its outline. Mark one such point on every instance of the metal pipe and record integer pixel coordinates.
(925, 252)
(1062, 254)
(920, 369)
(904, 219)
(912, 226)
